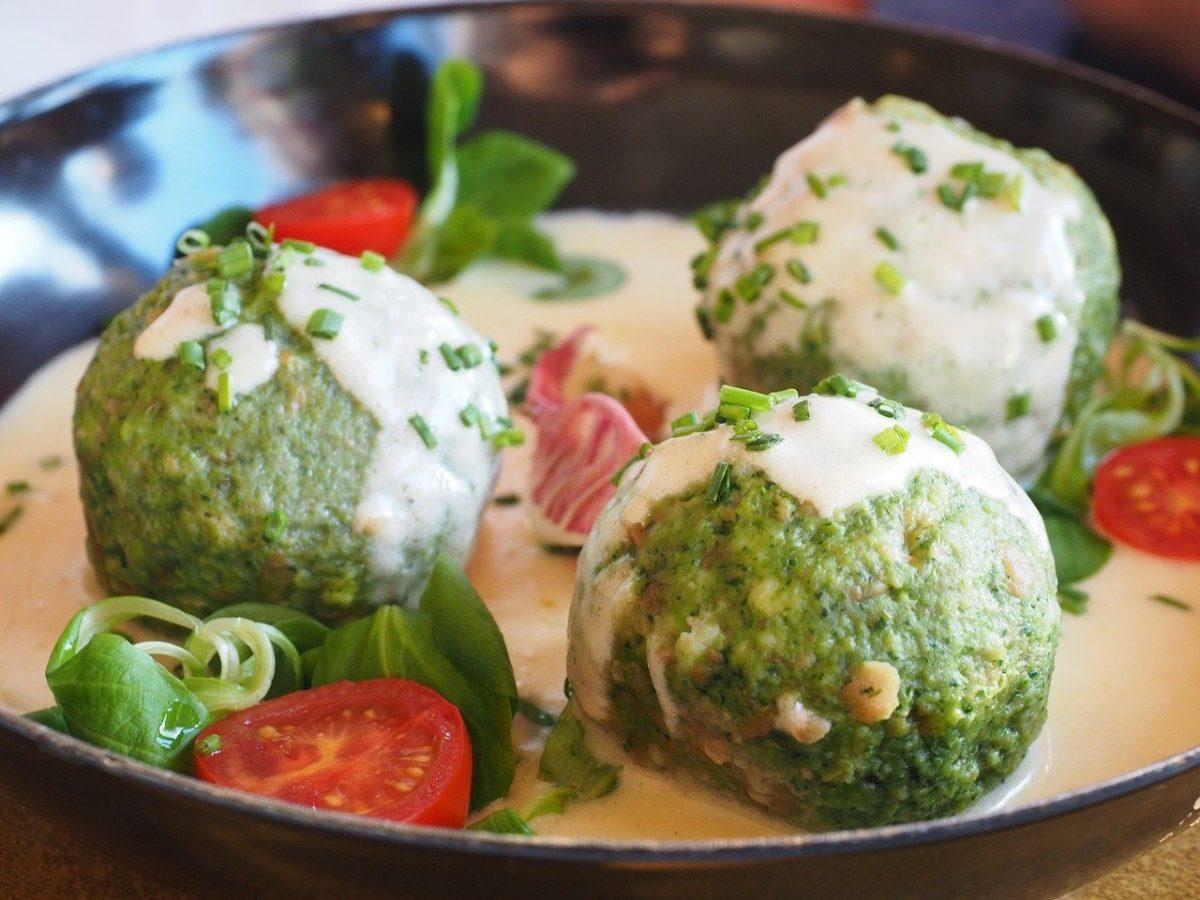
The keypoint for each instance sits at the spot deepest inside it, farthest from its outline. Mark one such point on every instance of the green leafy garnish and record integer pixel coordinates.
(1172, 602)
(583, 277)
(566, 760)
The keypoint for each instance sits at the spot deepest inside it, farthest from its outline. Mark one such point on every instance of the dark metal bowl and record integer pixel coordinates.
(663, 106)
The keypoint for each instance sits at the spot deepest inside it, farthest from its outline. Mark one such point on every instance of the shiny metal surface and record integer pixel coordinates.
(662, 106)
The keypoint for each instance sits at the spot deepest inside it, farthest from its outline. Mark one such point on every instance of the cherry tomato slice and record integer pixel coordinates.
(1148, 496)
(386, 748)
(350, 216)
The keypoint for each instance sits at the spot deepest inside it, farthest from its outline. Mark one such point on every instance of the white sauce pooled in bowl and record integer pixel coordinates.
(1123, 693)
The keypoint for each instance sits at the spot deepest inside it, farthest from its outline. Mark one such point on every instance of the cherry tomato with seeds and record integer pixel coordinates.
(385, 748)
(349, 216)
(1147, 495)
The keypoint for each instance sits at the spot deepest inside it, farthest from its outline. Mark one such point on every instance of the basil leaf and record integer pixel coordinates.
(305, 633)
(583, 277)
(518, 241)
(466, 236)
(117, 697)
(399, 643)
(549, 803)
(465, 630)
(566, 760)
(51, 717)
(1072, 600)
(503, 821)
(507, 175)
(1078, 552)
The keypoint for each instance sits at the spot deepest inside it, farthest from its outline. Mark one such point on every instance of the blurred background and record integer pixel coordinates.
(1152, 42)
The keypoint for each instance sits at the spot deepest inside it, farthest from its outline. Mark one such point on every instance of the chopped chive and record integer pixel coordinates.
(449, 304)
(453, 363)
(422, 429)
(991, 184)
(1014, 192)
(1170, 601)
(259, 237)
(324, 323)
(837, 179)
(275, 527)
(805, 232)
(950, 197)
(718, 484)
(753, 221)
(299, 246)
(791, 299)
(371, 261)
(799, 271)
(701, 266)
(1047, 328)
(506, 500)
(314, 262)
(705, 322)
(18, 487)
(750, 286)
(193, 241)
(744, 426)
(208, 745)
(732, 412)
(771, 239)
(235, 260)
(743, 397)
(889, 409)
(889, 278)
(801, 412)
(777, 397)
(1018, 405)
(758, 441)
(1072, 599)
(887, 238)
(224, 393)
(642, 452)
(917, 161)
(423, 356)
(222, 358)
(688, 418)
(191, 354)
(9, 518)
(942, 434)
(470, 415)
(333, 288)
(508, 437)
(838, 385)
(224, 302)
(816, 185)
(470, 355)
(50, 463)
(892, 441)
(966, 171)
(723, 308)
(274, 282)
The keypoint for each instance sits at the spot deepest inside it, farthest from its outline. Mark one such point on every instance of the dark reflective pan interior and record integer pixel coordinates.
(662, 106)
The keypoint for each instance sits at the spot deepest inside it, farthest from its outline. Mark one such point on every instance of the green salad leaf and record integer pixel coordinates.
(115, 694)
(304, 632)
(505, 820)
(451, 645)
(117, 697)
(51, 717)
(484, 192)
(1078, 551)
(567, 761)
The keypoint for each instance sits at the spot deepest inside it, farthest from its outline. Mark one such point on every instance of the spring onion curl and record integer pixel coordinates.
(1151, 393)
(228, 663)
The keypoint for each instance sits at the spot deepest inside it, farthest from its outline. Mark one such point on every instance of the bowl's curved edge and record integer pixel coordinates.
(77, 754)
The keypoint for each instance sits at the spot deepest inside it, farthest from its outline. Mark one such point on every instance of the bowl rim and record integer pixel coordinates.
(106, 764)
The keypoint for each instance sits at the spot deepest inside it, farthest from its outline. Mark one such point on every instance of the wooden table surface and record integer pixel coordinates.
(38, 861)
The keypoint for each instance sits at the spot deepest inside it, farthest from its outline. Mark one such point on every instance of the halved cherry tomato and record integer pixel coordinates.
(350, 216)
(1148, 496)
(386, 748)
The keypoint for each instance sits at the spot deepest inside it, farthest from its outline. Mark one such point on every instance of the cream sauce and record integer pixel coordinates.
(253, 359)
(1124, 694)
(188, 317)
(976, 282)
(412, 491)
